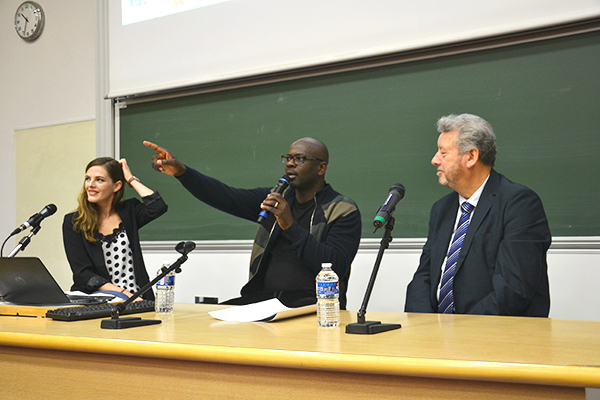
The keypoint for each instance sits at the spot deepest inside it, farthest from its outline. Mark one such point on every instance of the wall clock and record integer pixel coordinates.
(29, 20)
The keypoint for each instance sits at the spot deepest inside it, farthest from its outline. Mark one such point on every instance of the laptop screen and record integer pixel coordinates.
(25, 280)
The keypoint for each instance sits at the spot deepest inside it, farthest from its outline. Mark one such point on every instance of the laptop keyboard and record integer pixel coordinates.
(98, 311)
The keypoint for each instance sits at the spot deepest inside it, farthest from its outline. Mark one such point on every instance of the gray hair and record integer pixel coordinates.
(473, 133)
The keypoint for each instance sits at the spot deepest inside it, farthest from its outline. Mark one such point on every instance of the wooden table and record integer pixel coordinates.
(192, 355)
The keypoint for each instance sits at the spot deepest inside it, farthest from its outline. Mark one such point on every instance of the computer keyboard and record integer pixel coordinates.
(98, 311)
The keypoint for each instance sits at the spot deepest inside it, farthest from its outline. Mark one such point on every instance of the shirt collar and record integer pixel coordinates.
(474, 199)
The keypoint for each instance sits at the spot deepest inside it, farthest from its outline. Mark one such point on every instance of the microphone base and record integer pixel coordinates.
(124, 323)
(370, 327)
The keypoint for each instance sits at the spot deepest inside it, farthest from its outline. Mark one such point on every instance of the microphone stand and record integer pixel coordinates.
(25, 241)
(362, 326)
(122, 323)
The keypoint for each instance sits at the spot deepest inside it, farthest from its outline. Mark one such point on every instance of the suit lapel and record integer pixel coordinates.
(481, 211)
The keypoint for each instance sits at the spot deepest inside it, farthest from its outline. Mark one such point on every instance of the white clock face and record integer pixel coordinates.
(29, 20)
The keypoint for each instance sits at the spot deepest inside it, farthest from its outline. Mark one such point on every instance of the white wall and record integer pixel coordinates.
(61, 154)
(50, 81)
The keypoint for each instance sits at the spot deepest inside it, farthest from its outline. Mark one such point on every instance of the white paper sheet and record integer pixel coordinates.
(264, 311)
(113, 298)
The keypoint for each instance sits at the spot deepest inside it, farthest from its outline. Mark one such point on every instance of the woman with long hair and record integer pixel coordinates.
(101, 237)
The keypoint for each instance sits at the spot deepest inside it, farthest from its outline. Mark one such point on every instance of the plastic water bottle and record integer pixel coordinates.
(165, 292)
(328, 297)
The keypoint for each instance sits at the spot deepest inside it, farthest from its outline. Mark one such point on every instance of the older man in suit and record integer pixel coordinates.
(486, 248)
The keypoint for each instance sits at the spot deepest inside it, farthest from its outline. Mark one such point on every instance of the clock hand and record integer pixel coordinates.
(24, 17)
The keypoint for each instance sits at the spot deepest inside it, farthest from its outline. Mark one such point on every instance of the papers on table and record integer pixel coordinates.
(264, 311)
(111, 297)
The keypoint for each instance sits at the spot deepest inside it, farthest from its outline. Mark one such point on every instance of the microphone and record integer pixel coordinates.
(283, 183)
(36, 219)
(387, 209)
(185, 247)
(115, 323)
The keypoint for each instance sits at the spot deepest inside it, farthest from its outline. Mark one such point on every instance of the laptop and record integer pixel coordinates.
(27, 281)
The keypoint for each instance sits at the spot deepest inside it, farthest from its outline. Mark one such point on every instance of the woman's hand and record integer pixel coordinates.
(134, 182)
(127, 174)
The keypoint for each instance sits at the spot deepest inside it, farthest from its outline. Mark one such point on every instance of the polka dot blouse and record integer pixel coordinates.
(118, 258)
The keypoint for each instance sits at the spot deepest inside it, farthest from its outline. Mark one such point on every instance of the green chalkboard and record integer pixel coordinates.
(542, 98)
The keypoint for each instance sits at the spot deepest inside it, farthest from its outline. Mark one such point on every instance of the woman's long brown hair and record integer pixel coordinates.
(87, 219)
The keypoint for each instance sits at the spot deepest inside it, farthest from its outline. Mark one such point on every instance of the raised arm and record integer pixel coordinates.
(134, 182)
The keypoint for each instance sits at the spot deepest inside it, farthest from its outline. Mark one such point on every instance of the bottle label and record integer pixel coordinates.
(327, 288)
(168, 281)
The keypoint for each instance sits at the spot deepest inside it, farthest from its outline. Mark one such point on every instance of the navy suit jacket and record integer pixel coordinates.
(501, 269)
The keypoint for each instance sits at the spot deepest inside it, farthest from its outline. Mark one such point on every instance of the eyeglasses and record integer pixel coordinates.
(298, 159)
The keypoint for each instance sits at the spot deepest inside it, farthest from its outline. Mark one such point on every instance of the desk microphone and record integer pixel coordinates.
(283, 183)
(115, 323)
(387, 209)
(383, 217)
(36, 219)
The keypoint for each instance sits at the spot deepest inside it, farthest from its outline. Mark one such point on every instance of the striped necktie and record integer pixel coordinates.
(446, 302)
